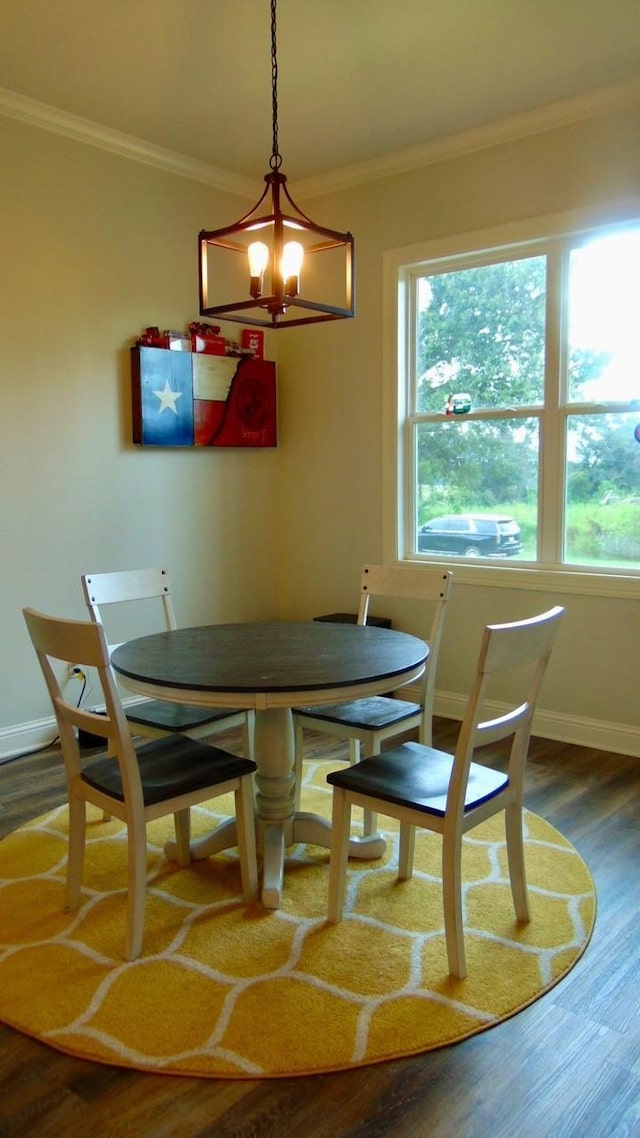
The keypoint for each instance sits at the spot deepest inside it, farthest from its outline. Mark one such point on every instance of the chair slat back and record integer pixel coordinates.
(128, 585)
(430, 585)
(521, 648)
(56, 639)
(509, 645)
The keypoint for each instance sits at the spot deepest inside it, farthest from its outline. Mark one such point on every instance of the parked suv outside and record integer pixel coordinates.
(470, 535)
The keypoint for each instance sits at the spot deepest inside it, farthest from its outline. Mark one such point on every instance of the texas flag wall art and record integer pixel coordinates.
(193, 399)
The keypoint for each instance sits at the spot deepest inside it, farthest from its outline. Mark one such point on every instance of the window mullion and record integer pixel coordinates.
(552, 433)
(407, 528)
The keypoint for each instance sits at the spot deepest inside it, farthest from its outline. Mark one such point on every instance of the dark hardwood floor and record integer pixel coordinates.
(567, 1067)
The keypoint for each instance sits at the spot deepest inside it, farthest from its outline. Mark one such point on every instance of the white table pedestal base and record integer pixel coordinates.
(277, 825)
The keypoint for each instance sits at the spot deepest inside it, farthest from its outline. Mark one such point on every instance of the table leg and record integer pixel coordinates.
(272, 865)
(274, 796)
(312, 828)
(224, 837)
(277, 824)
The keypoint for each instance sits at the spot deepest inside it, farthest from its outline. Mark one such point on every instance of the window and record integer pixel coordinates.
(519, 404)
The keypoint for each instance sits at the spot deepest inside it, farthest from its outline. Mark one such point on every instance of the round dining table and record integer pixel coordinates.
(269, 667)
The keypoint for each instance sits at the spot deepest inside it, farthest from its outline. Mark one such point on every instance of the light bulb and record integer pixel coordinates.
(258, 259)
(292, 256)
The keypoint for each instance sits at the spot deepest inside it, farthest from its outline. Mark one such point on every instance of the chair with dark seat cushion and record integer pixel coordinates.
(450, 794)
(367, 722)
(154, 718)
(165, 776)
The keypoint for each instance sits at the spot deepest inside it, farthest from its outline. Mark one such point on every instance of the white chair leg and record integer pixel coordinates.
(137, 885)
(369, 823)
(369, 818)
(298, 752)
(425, 734)
(407, 847)
(75, 852)
(452, 899)
(340, 827)
(515, 855)
(248, 731)
(182, 823)
(246, 832)
(106, 816)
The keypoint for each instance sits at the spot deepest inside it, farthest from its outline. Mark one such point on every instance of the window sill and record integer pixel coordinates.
(549, 579)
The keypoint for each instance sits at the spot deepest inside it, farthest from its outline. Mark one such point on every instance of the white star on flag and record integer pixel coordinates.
(168, 398)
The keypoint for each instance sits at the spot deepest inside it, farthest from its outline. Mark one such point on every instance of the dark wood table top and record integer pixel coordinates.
(271, 656)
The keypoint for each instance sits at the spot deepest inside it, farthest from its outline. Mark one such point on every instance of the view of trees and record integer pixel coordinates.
(606, 461)
(482, 331)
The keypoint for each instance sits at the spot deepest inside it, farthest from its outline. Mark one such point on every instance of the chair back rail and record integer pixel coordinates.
(157, 718)
(128, 585)
(450, 794)
(166, 776)
(424, 584)
(58, 639)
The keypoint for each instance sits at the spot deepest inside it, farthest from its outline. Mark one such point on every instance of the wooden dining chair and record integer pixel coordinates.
(367, 722)
(155, 718)
(450, 794)
(165, 776)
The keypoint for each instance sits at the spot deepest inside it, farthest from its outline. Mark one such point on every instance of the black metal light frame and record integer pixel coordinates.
(286, 304)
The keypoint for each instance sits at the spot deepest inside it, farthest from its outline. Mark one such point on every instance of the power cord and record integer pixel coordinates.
(56, 739)
(81, 676)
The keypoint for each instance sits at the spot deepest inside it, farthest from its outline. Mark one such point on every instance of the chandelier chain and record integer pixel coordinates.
(275, 161)
(272, 297)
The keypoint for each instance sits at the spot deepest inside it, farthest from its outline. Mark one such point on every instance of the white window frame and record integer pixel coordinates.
(398, 468)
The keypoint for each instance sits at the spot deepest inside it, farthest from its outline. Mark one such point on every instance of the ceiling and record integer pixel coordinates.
(357, 79)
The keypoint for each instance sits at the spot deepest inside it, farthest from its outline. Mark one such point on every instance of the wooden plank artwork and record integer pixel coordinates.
(195, 399)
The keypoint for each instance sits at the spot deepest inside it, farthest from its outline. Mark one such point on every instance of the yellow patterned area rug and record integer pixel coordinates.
(226, 991)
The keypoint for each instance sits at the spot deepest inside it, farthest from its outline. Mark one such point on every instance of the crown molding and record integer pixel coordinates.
(84, 130)
(601, 101)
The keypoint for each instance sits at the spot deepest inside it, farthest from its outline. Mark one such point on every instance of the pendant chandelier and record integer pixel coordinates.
(274, 261)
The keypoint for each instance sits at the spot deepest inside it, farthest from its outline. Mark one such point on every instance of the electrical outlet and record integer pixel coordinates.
(74, 672)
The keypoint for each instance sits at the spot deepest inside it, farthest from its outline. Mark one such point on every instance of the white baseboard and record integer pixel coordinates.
(619, 738)
(24, 738)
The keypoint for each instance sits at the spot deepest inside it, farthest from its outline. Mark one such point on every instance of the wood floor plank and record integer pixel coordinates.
(567, 1067)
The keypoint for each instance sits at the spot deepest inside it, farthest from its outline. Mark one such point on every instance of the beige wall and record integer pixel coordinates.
(336, 399)
(94, 248)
